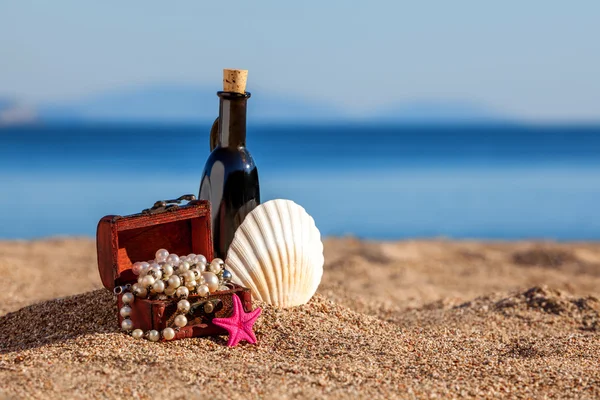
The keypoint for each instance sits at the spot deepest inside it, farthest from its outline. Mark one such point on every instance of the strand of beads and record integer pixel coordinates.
(170, 276)
(127, 324)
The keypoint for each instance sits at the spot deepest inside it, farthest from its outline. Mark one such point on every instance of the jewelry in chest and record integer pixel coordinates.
(169, 277)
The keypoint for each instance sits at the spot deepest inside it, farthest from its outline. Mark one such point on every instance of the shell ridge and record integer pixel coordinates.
(249, 254)
(317, 257)
(238, 252)
(302, 265)
(281, 243)
(259, 248)
(296, 270)
(273, 249)
(291, 254)
(266, 255)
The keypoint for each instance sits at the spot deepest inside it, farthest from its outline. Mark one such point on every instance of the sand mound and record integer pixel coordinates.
(557, 258)
(543, 298)
(584, 311)
(545, 257)
(528, 304)
(58, 320)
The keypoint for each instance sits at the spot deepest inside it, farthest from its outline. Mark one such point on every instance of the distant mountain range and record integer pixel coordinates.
(177, 103)
(438, 110)
(14, 113)
(191, 104)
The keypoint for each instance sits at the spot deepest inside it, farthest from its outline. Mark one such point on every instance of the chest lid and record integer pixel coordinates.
(124, 240)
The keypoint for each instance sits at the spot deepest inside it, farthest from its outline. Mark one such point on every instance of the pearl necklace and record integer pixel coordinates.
(169, 276)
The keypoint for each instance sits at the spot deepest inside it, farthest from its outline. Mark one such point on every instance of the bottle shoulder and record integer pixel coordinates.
(230, 159)
(231, 155)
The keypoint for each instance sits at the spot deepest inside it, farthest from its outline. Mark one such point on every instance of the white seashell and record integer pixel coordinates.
(277, 253)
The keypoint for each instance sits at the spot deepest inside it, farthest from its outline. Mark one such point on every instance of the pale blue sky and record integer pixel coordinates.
(538, 60)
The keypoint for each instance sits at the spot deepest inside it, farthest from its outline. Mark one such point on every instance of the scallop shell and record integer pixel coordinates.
(277, 253)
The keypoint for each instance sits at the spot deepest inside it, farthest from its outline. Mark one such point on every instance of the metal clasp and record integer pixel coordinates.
(207, 306)
(167, 205)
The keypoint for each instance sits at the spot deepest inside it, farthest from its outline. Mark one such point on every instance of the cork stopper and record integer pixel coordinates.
(234, 80)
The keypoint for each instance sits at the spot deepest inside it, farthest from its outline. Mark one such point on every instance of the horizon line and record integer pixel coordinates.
(449, 123)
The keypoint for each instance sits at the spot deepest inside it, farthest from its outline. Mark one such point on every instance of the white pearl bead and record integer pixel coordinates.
(200, 259)
(189, 276)
(137, 333)
(183, 306)
(221, 288)
(167, 271)
(217, 261)
(148, 281)
(153, 336)
(212, 281)
(181, 321)
(191, 258)
(141, 292)
(182, 292)
(158, 287)
(201, 267)
(154, 264)
(161, 255)
(191, 285)
(183, 259)
(216, 265)
(136, 268)
(174, 281)
(125, 311)
(202, 290)
(215, 268)
(170, 291)
(173, 259)
(127, 298)
(127, 325)
(144, 268)
(168, 333)
(155, 272)
(183, 267)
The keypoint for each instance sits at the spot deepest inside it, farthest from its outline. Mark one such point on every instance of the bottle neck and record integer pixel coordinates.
(232, 119)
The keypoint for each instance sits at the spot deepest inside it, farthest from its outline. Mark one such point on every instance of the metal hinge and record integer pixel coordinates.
(168, 205)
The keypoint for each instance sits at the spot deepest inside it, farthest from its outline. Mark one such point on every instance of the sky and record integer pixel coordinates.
(535, 60)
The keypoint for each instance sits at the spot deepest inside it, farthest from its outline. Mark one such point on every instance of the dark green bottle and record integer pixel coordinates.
(230, 177)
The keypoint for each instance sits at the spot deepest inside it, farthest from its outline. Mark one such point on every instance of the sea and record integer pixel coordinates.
(368, 180)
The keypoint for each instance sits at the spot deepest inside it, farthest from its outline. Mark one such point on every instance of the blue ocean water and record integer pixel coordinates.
(368, 180)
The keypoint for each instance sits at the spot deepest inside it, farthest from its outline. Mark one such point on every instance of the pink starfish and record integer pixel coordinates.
(239, 324)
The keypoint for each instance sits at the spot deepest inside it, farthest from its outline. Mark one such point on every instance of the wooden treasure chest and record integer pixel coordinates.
(182, 229)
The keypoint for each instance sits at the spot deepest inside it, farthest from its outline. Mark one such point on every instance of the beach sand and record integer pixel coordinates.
(409, 319)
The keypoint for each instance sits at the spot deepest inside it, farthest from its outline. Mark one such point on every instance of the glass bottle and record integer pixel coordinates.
(230, 177)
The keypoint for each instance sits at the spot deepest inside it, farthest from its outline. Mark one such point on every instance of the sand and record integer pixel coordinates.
(410, 319)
